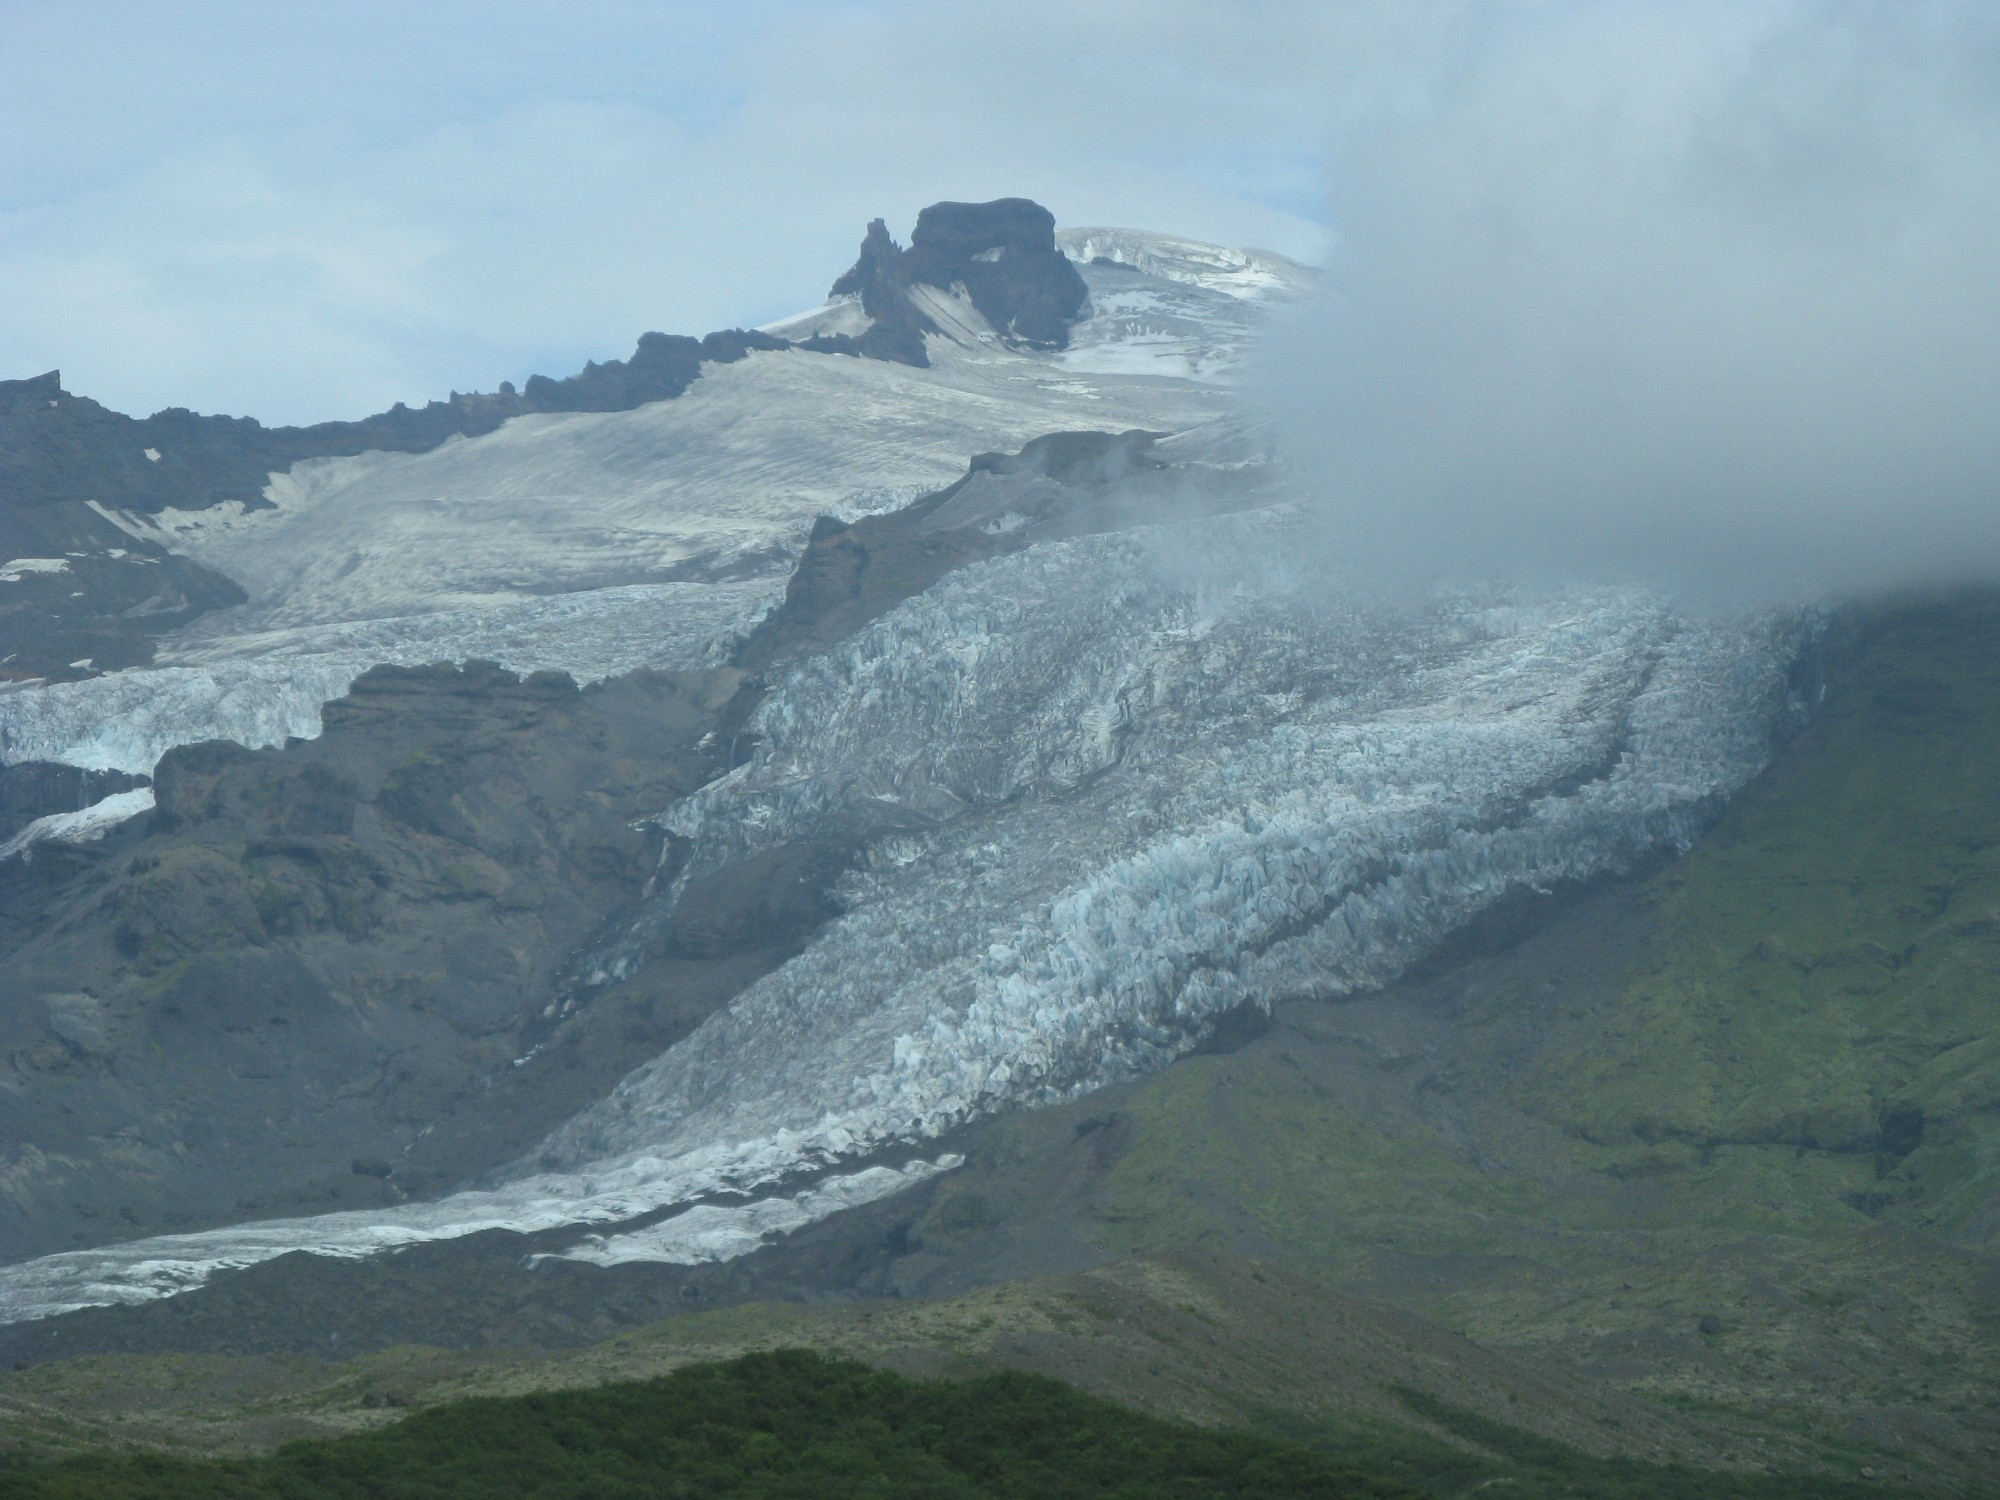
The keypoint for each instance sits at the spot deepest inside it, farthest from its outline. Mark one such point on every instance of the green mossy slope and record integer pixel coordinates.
(793, 1423)
(1732, 1138)
(1826, 974)
(787, 1423)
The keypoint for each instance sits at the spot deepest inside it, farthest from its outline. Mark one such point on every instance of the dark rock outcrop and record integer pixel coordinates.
(93, 598)
(662, 367)
(34, 789)
(57, 447)
(1003, 254)
(336, 951)
(1062, 484)
(897, 330)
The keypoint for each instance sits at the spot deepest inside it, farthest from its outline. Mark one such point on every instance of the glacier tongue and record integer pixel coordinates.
(1109, 794)
(1105, 790)
(264, 687)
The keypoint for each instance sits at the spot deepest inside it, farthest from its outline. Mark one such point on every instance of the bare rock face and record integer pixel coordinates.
(335, 952)
(876, 277)
(1002, 254)
(79, 596)
(35, 788)
(1005, 255)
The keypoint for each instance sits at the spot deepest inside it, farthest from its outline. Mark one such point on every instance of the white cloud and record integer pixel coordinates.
(1696, 292)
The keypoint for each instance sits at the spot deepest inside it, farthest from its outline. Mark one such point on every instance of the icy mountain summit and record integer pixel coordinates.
(554, 540)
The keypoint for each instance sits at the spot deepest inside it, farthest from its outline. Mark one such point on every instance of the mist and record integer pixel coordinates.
(1697, 295)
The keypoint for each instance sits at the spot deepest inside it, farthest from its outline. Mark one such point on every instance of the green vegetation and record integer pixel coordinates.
(1756, 1168)
(1492, 1458)
(786, 1423)
(793, 1423)
(1824, 976)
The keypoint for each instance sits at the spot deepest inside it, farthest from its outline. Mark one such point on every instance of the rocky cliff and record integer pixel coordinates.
(1001, 256)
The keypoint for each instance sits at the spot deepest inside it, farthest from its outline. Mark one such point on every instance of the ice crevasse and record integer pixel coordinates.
(1100, 792)
(1106, 792)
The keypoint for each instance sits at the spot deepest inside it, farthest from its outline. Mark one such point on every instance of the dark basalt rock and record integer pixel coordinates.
(57, 447)
(1002, 253)
(100, 608)
(662, 367)
(333, 952)
(900, 341)
(897, 333)
(35, 788)
(875, 277)
(1005, 254)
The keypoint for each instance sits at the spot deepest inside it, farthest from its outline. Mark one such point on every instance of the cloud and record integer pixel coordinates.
(303, 213)
(1698, 293)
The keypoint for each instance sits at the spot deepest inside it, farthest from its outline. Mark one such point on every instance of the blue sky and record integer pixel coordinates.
(309, 212)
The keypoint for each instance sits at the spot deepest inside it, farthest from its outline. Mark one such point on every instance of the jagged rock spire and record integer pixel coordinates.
(1003, 254)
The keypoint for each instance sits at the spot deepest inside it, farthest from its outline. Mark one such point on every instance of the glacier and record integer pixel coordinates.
(261, 688)
(724, 479)
(1100, 792)
(596, 543)
(1163, 306)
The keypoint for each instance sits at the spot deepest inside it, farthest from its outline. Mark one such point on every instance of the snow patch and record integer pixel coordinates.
(83, 826)
(1247, 274)
(711, 1232)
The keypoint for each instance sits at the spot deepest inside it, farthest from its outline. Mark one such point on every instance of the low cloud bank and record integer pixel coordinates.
(1706, 295)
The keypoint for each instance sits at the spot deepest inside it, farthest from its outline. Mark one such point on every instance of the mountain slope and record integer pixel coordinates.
(965, 817)
(1206, 1338)
(1725, 1135)
(1221, 796)
(591, 537)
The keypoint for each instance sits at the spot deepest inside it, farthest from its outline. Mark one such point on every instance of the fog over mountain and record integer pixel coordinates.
(1699, 294)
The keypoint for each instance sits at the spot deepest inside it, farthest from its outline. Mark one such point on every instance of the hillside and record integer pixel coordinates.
(1511, 1143)
(1201, 1339)
(1725, 1136)
(908, 811)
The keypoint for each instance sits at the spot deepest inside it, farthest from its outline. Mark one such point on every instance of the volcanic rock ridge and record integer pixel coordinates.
(1001, 256)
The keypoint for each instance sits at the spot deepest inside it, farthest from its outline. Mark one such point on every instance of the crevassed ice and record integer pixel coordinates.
(1132, 794)
(1104, 790)
(261, 688)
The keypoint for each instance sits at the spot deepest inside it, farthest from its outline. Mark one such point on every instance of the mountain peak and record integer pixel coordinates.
(1002, 254)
